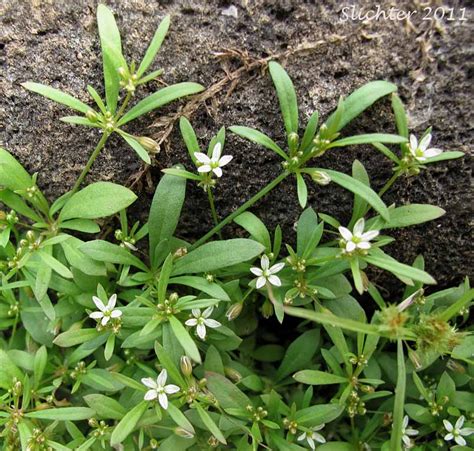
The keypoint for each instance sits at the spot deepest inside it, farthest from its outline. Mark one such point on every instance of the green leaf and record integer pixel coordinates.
(154, 46)
(9, 371)
(57, 95)
(81, 225)
(217, 255)
(184, 339)
(398, 411)
(409, 215)
(127, 423)
(137, 147)
(166, 361)
(164, 278)
(388, 263)
(360, 205)
(400, 116)
(79, 260)
(313, 377)
(105, 407)
(259, 138)
(179, 418)
(97, 99)
(78, 120)
(309, 133)
(319, 414)
(165, 210)
(444, 156)
(369, 138)
(62, 414)
(302, 190)
(361, 190)
(210, 425)
(112, 58)
(286, 96)
(39, 365)
(189, 137)
(228, 395)
(360, 100)
(257, 229)
(12, 174)
(73, 337)
(160, 98)
(97, 200)
(103, 251)
(54, 264)
(201, 284)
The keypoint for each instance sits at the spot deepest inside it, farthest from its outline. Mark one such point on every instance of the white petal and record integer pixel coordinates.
(466, 431)
(264, 262)
(163, 400)
(359, 227)
(196, 312)
(411, 432)
(171, 388)
(370, 235)
(301, 437)
(96, 315)
(256, 271)
(218, 172)
(406, 440)
(207, 313)
(116, 313)
(105, 320)
(345, 233)
(448, 437)
(318, 437)
(459, 422)
(425, 142)
(364, 245)
(459, 440)
(448, 426)
(310, 442)
(150, 395)
(149, 382)
(216, 152)
(191, 322)
(98, 303)
(319, 427)
(212, 323)
(204, 168)
(112, 302)
(202, 157)
(433, 152)
(261, 281)
(276, 268)
(350, 246)
(201, 331)
(161, 379)
(405, 422)
(413, 143)
(274, 280)
(226, 159)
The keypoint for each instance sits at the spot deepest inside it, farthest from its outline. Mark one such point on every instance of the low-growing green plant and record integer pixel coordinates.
(153, 342)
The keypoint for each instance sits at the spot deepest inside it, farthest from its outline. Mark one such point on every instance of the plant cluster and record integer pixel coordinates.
(145, 341)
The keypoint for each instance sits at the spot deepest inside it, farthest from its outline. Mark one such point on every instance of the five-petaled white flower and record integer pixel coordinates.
(357, 239)
(313, 436)
(105, 311)
(420, 151)
(215, 163)
(407, 433)
(457, 432)
(266, 274)
(158, 389)
(201, 320)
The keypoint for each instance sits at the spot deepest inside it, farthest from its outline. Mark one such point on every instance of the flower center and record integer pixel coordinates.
(214, 164)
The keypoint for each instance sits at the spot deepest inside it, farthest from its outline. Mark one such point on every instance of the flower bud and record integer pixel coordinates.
(183, 432)
(92, 116)
(186, 365)
(320, 177)
(293, 141)
(267, 309)
(148, 144)
(234, 311)
(232, 374)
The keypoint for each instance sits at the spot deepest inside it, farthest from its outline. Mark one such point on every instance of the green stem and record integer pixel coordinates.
(124, 105)
(213, 209)
(389, 184)
(241, 209)
(90, 162)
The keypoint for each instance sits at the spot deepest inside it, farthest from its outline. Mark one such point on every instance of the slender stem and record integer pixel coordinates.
(89, 164)
(213, 209)
(388, 185)
(123, 106)
(241, 209)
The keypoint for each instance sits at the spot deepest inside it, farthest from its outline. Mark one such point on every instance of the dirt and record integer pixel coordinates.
(56, 43)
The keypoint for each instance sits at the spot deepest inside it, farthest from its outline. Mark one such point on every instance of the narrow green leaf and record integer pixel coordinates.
(54, 264)
(164, 278)
(398, 411)
(62, 414)
(185, 339)
(154, 46)
(127, 424)
(12, 174)
(313, 377)
(137, 147)
(286, 96)
(105, 407)
(182, 173)
(360, 205)
(228, 395)
(74, 337)
(409, 215)
(309, 133)
(369, 138)
(189, 137)
(209, 423)
(257, 229)
(400, 115)
(445, 156)
(58, 96)
(302, 190)
(160, 98)
(39, 365)
(78, 120)
(97, 99)
(179, 418)
(259, 138)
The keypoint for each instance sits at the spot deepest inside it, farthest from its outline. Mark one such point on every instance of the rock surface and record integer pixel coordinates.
(56, 43)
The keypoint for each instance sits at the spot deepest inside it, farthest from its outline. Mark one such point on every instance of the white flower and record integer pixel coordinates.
(158, 389)
(266, 274)
(312, 435)
(105, 311)
(407, 432)
(215, 163)
(201, 320)
(357, 239)
(456, 433)
(420, 150)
